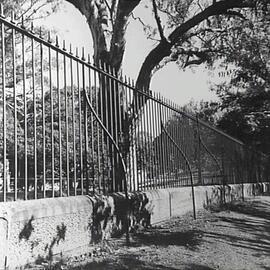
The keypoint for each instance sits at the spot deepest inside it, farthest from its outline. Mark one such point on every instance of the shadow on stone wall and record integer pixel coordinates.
(28, 229)
(223, 195)
(60, 235)
(113, 215)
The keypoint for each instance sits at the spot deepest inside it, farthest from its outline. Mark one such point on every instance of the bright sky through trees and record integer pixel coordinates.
(179, 86)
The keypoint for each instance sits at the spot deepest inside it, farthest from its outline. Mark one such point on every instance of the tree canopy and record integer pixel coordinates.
(244, 107)
(186, 30)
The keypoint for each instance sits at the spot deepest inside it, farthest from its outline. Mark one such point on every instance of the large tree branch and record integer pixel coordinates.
(89, 9)
(158, 21)
(217, 8)
(118, 42)
(163, 49)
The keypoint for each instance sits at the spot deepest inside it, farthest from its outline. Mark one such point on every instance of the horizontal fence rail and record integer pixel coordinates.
(70, 128)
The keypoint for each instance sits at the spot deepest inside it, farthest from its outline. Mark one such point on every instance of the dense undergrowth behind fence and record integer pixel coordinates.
(69, 128)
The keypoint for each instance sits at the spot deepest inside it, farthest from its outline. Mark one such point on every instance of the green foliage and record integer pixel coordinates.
(245, 98)
(243, 110)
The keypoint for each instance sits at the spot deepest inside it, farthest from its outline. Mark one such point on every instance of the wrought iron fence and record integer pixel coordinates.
(69, 128)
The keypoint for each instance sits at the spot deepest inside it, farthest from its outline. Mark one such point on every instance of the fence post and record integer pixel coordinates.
(223, 197)
(199, 151)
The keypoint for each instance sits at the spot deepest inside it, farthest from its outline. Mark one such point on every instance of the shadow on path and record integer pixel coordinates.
(251, 229)
(129, 262)
(190, 239)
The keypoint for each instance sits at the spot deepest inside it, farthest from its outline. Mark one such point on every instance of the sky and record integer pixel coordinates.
(170, 81)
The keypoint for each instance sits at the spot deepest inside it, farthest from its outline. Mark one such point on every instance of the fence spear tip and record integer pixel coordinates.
(22, 22)
(49, 36)
(2, 10)
(83, 58)
(12, 17)
(32, 27)
(70, 48)
(56, 41)
(40, 32)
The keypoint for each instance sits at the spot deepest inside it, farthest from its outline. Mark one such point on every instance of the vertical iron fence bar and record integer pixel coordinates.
(100, 114)
(175, 152)
(59, 123)
(160, 150)
(178, 166)
(25, 119)
(182, 135)
(169, 147)
(152, 121)
(85, 129)
(34, 118)
(102, 90)
(223, 172)
(52, 120)
(140, 135)
(173, 148)
(163, 147)
(43, 121)
(107, 114)
(174, 127)
(166, 148)
(80, 122)
(155, 137)
(189, 169)
(105, 139)
(73, 126)
(186, 142)
(199, 150)
(159, 141)
(168, 153)
(66, 124)
(144, 143)
(149, 141)
(15, 117)
(121, 114)
(133, 138)
(126, 99)
(92, 128)
(111, 129)
(139, 144)
(132, 155)
(97, 128)
(152, 138)
(181, 139)
(184, 138)
(116, 127)
(178, 136)
(3, 56)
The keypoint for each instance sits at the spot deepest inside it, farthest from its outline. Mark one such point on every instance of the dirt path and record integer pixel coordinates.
(235, 238)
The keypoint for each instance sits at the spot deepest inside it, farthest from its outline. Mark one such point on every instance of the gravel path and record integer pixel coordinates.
(237, 237)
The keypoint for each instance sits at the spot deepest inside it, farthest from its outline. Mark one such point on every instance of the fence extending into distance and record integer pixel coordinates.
(71, 128)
